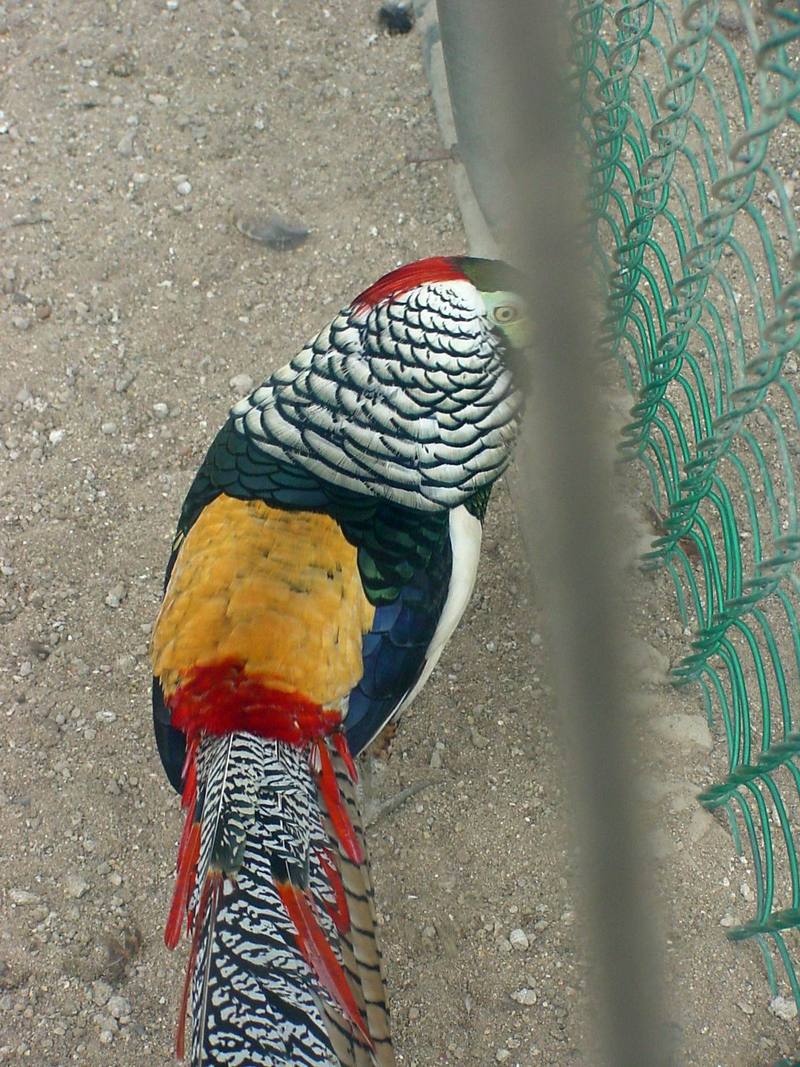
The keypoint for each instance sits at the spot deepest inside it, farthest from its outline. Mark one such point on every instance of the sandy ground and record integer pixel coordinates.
(131, 136)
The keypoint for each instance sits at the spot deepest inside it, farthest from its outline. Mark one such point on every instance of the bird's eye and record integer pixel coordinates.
(505, 313)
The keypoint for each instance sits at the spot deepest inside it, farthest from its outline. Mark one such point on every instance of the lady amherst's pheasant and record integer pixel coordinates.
(325, 553)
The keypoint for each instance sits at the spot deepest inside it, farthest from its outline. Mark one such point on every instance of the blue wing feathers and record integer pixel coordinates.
(395, 650)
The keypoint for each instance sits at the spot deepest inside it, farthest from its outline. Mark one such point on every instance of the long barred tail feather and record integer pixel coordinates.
(361, 954)
(273, 978)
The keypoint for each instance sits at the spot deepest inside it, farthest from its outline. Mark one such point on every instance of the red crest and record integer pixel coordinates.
(433, 269)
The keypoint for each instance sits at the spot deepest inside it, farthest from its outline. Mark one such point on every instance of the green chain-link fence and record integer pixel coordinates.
(692, 121)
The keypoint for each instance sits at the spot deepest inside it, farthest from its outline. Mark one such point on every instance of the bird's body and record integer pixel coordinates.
(326, 551)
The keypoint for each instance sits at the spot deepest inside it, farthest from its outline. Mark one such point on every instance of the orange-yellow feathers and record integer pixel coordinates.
(276, 591)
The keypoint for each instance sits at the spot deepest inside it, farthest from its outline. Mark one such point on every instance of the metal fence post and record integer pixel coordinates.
(507, 74)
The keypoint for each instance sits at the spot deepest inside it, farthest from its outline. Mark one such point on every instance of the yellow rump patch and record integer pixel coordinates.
(278, 591)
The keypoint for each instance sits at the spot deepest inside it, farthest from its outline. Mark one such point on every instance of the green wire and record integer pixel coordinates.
(702, 313)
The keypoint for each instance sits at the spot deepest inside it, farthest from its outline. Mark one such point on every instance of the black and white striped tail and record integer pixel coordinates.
(255, 999)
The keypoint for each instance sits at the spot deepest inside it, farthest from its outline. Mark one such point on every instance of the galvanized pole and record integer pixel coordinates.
(517, 136)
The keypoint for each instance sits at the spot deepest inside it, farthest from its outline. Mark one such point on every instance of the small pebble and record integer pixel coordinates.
(519, 940)
(241, 384)
(125, 144)
(115, 595)
(101, 992)
(160, 410)
(119, 1007)
(183, 188)
(108, 428)
(125, 380)
(783, 1008)
(525, 996)
(55, 437)
(272, 230)
(22, 897)
(75, 886)
(20, 322)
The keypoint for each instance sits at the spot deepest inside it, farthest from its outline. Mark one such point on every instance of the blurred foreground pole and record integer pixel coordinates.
(517, 135)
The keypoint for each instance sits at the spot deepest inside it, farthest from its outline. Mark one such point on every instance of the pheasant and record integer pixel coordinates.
(325, 553)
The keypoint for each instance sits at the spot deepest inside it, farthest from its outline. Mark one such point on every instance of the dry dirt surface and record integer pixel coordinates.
(133, 137)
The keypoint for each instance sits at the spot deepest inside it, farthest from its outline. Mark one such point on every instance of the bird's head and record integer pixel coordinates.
(500, 287)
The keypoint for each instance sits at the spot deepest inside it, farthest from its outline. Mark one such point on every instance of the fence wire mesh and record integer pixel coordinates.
(691, 118)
